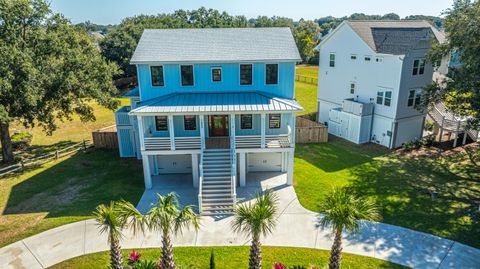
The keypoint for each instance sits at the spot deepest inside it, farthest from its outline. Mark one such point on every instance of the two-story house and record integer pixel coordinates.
(371, 77)
(214, 103)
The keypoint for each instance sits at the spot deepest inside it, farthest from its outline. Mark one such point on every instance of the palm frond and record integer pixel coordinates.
(130, 216)
(108, 221)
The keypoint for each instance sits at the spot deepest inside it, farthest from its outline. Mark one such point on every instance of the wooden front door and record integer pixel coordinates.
(218, 125)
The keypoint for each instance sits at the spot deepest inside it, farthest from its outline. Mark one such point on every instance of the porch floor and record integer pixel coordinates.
(182, 184)
(217, 143)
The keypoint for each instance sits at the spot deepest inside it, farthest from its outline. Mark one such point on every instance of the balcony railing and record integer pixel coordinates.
(255, 141)
(187, 142)
(164, 143)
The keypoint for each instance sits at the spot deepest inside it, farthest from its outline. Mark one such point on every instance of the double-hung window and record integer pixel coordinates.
(274, 121)
(246, 121)
(418, 67)
(414, 98)
(380, 98)
(216, 74)
(352, 88)
(271, 74)
(189, 122)
(332, 60)
(186, 72)
(161, 123)
(388, 98)
(157, 75)
(246, 74)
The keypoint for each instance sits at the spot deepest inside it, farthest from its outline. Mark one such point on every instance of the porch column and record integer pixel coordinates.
(195, 170)
(284, 162)
(154, 165)
(243, 180)
(141, 133)
(292, 129)
(290, 167)
(262, 130)
(232, 130)
(146, 171)
(202, 131)
(171, 129)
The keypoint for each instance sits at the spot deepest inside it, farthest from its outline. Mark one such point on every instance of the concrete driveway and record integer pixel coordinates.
(297, 227)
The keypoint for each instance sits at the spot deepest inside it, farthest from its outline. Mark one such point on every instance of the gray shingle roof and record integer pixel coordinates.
(216, 45)
(217, 102)
(394, 37)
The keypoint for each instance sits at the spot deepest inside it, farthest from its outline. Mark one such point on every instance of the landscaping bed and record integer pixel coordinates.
(233, 257)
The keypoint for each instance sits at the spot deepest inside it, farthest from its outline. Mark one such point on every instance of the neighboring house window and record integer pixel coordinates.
(187, 75)
(190, 123)
(418, 67)
(271, 74)
(274, 121)
(216, 74)
(161, 123)
(368, 58)
(379, 59)
(414, 97)
(332, 59)
(157, 75)
(388, 98)
(352, 88)
(246, 121)
(380, 98)
(353, 57)
(246, 74)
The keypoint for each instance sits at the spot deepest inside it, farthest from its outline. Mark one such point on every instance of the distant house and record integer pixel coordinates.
(371, 78)
(213, 103)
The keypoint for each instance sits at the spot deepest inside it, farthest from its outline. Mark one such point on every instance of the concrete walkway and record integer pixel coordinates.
(297, 227)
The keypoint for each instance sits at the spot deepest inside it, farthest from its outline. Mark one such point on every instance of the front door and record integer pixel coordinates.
(218, 125)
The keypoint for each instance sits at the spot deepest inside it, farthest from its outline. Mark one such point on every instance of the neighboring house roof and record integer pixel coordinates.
(394, 37)
(135, 92)
(217, 102)
(216, 45)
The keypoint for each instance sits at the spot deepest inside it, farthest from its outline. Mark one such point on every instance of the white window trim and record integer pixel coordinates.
(163, 73)
(268, 120)
(240, 118)
(240, 71)
(211, 74)
(416, 92)
(180, 75)
(353, 55)
(334, 59)
(278, 75)
(354, 87)
(196, 123)
(367, 56)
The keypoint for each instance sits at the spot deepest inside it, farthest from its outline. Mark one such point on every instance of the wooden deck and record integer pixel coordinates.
(217, 142)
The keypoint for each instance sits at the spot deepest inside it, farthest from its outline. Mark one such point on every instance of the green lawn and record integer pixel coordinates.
(305, 93)
(233, 257)
(307, 70)
(65, 191)
(400, 185)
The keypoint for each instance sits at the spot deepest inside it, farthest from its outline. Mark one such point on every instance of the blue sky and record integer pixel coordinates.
(113, 11)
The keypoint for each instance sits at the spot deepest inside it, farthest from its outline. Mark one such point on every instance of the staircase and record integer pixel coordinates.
(450, 122)
(216, 182)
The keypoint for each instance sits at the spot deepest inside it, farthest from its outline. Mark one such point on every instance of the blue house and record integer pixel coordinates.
(214, 103)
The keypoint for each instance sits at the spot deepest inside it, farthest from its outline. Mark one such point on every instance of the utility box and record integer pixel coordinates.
(354, 128)
(357, 108)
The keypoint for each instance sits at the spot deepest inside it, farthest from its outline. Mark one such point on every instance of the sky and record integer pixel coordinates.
(113, 11)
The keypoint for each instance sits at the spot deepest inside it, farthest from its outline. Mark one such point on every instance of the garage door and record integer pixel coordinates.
(174, 164)
(264, 162)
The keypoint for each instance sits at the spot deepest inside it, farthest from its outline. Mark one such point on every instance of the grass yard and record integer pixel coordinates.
(65, 191)
(305, 93)
(233, 257)
(307, 70)
(400, 185)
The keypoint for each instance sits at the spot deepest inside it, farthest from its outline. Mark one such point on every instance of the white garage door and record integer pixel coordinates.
(174, 164)
(264, 162)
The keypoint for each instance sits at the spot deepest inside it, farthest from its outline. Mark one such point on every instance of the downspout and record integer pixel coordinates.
(394, 134)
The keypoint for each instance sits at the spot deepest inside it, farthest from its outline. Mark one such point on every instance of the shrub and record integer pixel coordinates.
(429, 126)
(146, 265)
(428, 141)
(278, 265)
(297, 267)
(134, 258)
(21, 140)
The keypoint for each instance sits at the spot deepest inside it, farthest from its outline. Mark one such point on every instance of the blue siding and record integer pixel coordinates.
(256, 125)
(284, 122)
(180, 129)
(230, 80)
(127, 147)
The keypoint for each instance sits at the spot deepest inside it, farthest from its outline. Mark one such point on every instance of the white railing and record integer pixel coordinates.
(271, 141)
(200, 178)
(233, 181)
(248, 141)
(157, 143)
(187, 142)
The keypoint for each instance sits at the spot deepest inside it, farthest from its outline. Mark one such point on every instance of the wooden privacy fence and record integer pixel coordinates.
(26, 163)
(307, 131)
(105, 138)
(306, 79)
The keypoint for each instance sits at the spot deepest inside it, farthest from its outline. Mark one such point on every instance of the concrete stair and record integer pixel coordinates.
(217, 180)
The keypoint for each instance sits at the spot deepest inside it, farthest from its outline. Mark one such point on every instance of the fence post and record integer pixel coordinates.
(84, 145)
(56, 154)
(23, 164)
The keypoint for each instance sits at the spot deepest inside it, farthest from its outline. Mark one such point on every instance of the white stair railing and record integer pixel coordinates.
(200, 179)
(233, 159)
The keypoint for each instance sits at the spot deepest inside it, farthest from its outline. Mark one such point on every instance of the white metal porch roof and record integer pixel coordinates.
(195, 103)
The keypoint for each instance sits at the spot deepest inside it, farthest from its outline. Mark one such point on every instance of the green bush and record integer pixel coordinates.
(429, 126)
(21, 141)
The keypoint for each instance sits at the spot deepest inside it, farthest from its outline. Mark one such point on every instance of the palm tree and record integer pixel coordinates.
(168, 218)
(109, 222)
(343, 211)
(256, 219)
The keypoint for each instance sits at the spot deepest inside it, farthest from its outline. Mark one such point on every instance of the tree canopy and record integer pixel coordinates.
(49, 69)
(460, 89)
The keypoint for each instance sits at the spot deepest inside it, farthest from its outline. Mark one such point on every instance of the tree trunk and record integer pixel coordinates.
(7, 152)
(116, 258)
(167, 261)
(255, 253)
(336, 252)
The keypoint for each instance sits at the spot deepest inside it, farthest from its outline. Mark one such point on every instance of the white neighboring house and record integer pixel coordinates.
(371, 77)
